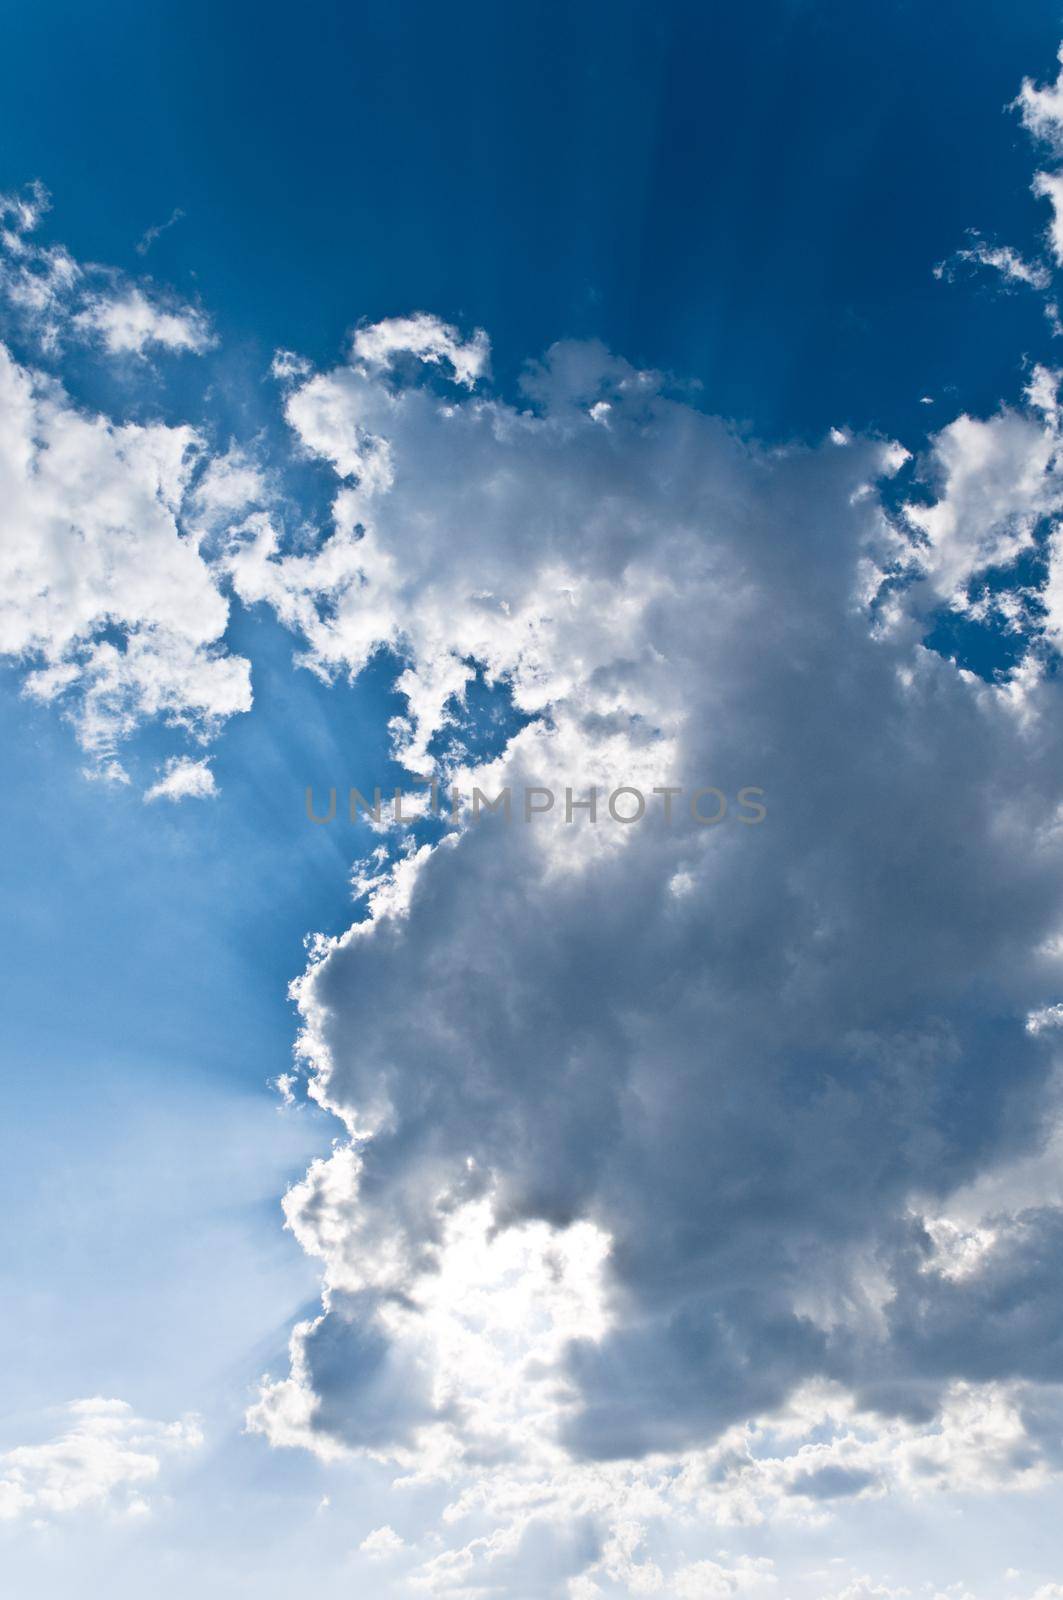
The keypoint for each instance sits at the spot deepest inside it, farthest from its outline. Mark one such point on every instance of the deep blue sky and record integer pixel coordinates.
(749, 196)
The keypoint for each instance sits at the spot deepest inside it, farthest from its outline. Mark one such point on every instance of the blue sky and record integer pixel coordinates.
(750, 202)
(669, 1210)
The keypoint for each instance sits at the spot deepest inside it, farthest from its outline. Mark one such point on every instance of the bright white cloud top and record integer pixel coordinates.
(689, 1176)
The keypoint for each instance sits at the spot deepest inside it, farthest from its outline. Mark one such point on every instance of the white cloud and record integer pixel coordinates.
(481, 1325)
(1049, 186)
(998, 478)
(865, 1587)
(428, 339)
(1042, 108)
(104, 599)
(381, 1544)
(183, 779)
(666, 1201)
(38, 281)
(537, 1246)
(129, 323)
(56, 297)
(1013, 268)
(708, 1580)
(106, 1460)
(229, 487)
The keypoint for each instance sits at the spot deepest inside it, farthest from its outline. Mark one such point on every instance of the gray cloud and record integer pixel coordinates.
(745, 1054)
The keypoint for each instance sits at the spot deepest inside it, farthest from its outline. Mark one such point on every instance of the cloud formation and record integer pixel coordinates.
(107, 1460)
(378, 344)
(1042, 115)
(183, 779)
(109, 604)
(756, 1074)
(741, 1073)
(690, 1173)
(58, 299)
(104, 594)
(128, 323)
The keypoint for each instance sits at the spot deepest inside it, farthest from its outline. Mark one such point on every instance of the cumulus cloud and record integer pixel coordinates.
(230, 487)
(37, 281)
(129, 323)
(56, 297)
(678, 1088)
(183, 779)
(1049, 186)
(998, 480)
(722, 1114)
(381, 1544)
(427, 338)
(107, 1460)
(708, 1580)
(692, 1171)
(105, 601)
(1041, 109)
(110, 605)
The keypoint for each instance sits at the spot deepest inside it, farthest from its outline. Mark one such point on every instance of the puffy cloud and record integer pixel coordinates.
(381, 1544)
(998, 478)
(104, 596)
(1042, 109)
(38, 281)
(715, 1075)
(692, 1173)
(1042, 115)
(55, 297)
(1049, 186)
(106, 1460)
(429, 340)
(128, 323)
(183, 779)
(477, 1328)
(109, 602)
(230, 486)
(865, 1587)
(708, 1580)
